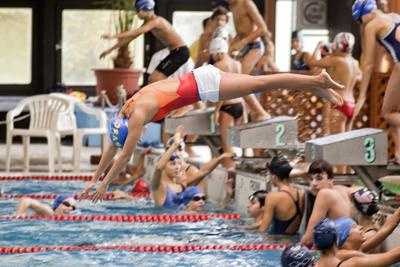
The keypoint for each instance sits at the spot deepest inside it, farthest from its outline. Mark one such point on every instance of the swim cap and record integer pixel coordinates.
(343, 227)
(171, 141)
(140, 186)
(218, 45)
(118, 131)
(297, 34)
(280, 167)
(58, 201)
(221, 32)
(325, 234)
(173, 157)
(363, 7)
(260, 195)
(189, 193)
(344, 41)
(145, 5)
(366, 201)
(297, 255)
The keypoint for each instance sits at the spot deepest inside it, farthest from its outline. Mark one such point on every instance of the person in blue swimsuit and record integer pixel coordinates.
(383, 29)
(167, 190)
(283, 209)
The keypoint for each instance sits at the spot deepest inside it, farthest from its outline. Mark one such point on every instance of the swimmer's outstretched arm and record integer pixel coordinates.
(391, 223)
(26, 203)
(135, 127)
(208, 168)
(106, 158)
(146, 27)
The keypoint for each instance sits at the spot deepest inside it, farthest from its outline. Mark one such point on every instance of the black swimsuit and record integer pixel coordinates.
(235, 110)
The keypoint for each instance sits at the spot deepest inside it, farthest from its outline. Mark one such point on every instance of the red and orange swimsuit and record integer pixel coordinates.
(186, 94)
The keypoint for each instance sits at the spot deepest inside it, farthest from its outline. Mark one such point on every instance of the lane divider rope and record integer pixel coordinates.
(47, 177)
(108, 196)
(147, 248)
(142, 218)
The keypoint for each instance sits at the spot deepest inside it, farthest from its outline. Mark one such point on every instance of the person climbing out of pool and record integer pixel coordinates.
(155, 101)
(62, 205)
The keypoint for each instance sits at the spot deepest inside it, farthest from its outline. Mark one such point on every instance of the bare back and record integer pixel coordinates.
(164, 32)
(341, 206)
(345, 71)
(244, 23)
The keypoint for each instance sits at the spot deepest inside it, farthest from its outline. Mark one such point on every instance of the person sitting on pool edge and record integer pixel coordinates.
(62, 205)
(155, 101)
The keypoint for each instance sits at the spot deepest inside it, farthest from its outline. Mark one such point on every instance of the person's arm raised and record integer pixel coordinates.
(207, 168)
(156, 178)
(29, 203)
(391, 223)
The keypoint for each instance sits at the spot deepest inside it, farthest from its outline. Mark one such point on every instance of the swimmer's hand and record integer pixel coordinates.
(105, 53)
(107, 36)
(101, 190)
(178, 137)
(86, 190)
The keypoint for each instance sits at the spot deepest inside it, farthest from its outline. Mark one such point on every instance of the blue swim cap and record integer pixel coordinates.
(58, 201)
(145, 5)
(118, 131)
(363, 7)
(343, 227)
(297, 255)
(189, 193)
(325, 234)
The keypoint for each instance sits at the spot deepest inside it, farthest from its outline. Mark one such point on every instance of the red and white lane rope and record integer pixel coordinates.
(147, 248)
(47, 177)
(158, 218)
(52, 196)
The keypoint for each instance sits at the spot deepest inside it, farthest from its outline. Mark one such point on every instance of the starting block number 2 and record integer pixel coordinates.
(370, 155)
(280, 131)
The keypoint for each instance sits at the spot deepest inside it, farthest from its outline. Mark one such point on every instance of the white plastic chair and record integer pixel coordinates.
(79, 133)
(45, 111)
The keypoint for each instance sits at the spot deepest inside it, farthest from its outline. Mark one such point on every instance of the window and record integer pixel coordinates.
(16, 45)
(82, 45)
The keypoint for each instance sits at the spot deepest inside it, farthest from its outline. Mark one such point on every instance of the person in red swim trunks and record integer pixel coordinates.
(343, 68)
(207, 83)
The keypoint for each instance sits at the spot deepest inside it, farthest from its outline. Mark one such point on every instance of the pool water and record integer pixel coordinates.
(64, 233)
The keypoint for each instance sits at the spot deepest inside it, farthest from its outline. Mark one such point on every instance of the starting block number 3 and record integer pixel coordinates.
(370, 155)
(280, 131)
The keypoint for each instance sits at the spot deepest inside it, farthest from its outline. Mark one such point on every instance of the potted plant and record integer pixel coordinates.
(109, 79)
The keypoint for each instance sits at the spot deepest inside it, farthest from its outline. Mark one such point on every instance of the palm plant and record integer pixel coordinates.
(124, 19)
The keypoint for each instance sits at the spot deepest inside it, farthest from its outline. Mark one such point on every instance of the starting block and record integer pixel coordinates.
(196, 122)
(277, 133)
(363, 147)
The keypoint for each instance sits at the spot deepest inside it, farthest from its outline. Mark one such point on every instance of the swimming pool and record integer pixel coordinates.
(26, 233)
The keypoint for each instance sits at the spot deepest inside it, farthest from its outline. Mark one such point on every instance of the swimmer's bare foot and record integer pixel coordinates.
(262, 117)
(323, 89)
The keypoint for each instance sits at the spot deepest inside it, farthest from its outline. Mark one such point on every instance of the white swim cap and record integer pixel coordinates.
(221, 32)
(218, 45)
(344, 41)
